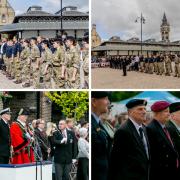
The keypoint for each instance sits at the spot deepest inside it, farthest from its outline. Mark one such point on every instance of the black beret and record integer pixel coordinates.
(99, 94)
(5, 111)
(23, 112)
(174, 107)
(136, 102)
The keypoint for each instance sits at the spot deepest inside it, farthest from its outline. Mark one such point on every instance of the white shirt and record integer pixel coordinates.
(137, 126)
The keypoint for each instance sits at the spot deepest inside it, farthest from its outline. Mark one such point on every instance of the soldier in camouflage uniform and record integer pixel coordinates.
(45, 72)
(25, 64)
(57, 63)
(177, 66)
(16, 61)
(34, 58)
(72, 64)
(85, 65)
(167, 65)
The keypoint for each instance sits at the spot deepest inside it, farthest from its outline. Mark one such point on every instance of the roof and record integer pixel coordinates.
(71, 11)
(44, 26)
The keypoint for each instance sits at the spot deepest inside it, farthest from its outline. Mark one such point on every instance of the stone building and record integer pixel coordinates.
(116, 46)
(36, 22)
(95, 38)
(7, 13)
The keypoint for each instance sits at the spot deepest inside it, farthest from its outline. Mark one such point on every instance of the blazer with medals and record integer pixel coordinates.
(5, 142)
(163, 155)
(100, 150)
(64, 152)
(175, 135)
(129, 160)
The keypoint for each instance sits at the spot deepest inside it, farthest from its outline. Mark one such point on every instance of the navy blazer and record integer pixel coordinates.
(163, 155)
(129, 160)
(4, 139)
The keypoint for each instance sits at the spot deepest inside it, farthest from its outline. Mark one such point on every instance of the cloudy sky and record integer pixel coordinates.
(21, 6)
(117, 17)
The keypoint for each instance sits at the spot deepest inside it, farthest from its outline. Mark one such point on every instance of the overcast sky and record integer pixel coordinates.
(21, 6)
(117, 17)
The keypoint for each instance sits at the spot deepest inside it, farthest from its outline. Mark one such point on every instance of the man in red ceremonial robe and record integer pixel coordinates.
(21, 140)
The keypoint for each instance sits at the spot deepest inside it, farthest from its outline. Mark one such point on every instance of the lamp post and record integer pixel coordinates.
(61, 17)
(142, 21)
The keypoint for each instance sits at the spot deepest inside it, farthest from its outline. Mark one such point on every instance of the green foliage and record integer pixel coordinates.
(175, 93)
(121, 95)
(73, 104)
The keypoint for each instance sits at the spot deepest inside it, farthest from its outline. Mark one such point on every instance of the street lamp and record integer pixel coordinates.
(61, 17)
(142, 21)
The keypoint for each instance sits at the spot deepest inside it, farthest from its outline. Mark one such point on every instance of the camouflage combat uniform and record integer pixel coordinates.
(57, 62)
(72, 60)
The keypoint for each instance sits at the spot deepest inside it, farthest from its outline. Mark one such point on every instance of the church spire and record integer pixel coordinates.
(165, 29)
(164, 20)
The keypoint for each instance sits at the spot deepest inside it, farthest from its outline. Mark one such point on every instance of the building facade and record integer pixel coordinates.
(116, 46)
(95, 38)
(7, 13)
(36, 22)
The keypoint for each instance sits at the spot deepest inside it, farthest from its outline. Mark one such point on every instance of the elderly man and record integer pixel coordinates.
(21, 140)
(5, 142)
(173, 126)
(99, 136)
(164, 157)
(64, 152)
(130, 154)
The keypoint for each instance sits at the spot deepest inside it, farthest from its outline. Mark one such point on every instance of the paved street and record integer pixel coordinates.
(113, 79)
(5, 83)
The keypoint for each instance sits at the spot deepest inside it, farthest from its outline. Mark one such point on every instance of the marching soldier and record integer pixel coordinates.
(151, 61)
(167, 65)
(146, 60)
(72, 64)
(25, 63)
(57, 63)
(177, 66)
(16, 61)
(85, 65)
(34, 55)
(44, 66)
(155, 63)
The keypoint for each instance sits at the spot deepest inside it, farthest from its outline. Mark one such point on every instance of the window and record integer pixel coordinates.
(3, 19)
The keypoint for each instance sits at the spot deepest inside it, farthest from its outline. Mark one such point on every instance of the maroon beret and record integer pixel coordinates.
(160, 106)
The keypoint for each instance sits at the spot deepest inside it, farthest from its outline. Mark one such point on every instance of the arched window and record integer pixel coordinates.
(3, 18)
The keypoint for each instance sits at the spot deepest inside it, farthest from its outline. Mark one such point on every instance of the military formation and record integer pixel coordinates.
(61, 63)
(160, 64)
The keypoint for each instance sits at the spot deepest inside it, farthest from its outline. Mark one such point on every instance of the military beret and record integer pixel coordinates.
(5, 111)
(99, 94)
(23, 112)
(160, 106)
(174, 107)
(136, 102)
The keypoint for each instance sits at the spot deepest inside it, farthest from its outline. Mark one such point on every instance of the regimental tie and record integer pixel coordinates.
(170, 140)
(144, 141)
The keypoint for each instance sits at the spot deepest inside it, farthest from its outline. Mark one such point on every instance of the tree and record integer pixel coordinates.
(74, 104)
